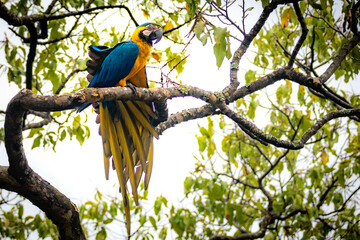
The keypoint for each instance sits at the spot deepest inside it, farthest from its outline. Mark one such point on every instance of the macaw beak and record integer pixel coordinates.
(156, 35)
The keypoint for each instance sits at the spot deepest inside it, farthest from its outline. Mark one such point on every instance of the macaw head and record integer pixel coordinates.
(149, 32)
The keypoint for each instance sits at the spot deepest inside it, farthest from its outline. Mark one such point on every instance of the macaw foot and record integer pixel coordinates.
(131, 86)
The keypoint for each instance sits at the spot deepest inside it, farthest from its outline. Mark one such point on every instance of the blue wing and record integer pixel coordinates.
(116, 66)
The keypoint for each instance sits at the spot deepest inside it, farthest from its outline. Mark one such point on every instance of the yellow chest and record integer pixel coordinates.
(144, 51)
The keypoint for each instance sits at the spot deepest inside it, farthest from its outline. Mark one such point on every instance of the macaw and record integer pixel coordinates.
(125, 126)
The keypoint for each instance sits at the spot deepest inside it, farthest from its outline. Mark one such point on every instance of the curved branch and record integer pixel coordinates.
(31, 54)
(46, 120)
(304, 32)
(60, 38)
(249, 126)
(234, 66)
(14, 20)
(293, 213)
(321, 122)
(20, 178)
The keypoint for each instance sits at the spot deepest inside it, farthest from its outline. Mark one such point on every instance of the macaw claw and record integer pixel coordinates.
(131, 86)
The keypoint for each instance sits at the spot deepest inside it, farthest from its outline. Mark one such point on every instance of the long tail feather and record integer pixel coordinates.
(134, 132)
(125, 146)
(142, 118)
(110, 130)
(149, 166)
(128, 137)
(105, 140)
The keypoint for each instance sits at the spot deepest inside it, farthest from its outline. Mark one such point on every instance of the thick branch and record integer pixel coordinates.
(186, 115)
(14, 20)
(234, 66)
(31, 55)
(27, 183)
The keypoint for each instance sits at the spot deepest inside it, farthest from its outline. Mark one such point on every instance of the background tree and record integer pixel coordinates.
(284, 169)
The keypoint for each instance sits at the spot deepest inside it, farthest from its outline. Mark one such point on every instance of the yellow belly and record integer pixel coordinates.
(144, 50)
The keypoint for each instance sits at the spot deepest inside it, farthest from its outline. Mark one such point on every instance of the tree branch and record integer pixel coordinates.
(323, 196)
(304, 32)
(31, 55)
(63, 83)
(339, 58)
(293, 213)
(46, 120)
(14, 20)
(248, 38)
(20, 178)
(343, 207)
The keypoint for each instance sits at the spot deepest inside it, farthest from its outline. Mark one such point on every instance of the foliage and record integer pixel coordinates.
(17, 225)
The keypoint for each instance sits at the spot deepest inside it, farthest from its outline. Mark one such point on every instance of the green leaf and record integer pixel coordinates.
(142, 219)
(222, 122)
(252, 108)
(20, 210)
(113, 210)
(273, 117)
(265, 3)
(36, 142)
(316, 5)
(204, 38)
(153, 222)
(301, 95)
(250, 76)
(76, 121)
(158, 203)
(199, 28)
(202, 143)
(82, 64)
(101, 235)
(269, 236)
(204, 132)
(62, 135)
(220, 35)
(265, 61)
(219, 51)
(163, 233)
(188, 183)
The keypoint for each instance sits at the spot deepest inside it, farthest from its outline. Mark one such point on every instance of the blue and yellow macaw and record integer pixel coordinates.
(125, 126)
